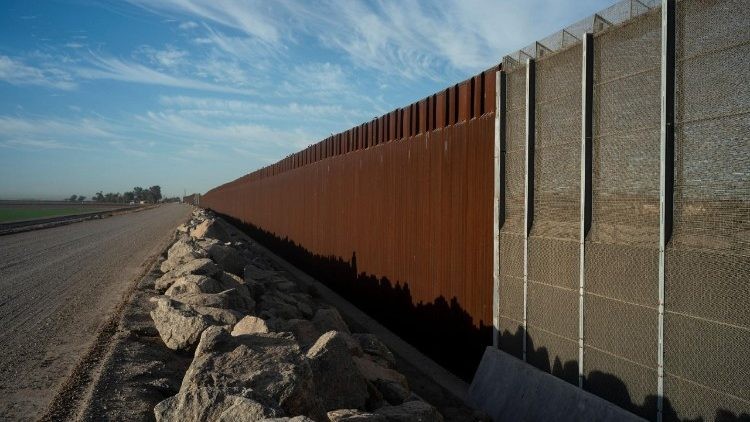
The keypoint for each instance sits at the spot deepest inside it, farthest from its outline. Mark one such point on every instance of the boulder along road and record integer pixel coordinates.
(58, 287)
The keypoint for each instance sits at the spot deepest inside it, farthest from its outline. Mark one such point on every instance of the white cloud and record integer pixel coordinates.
(17, 127)
(36, 144)
(248, 110)
(15, 72)
(112, 68)
(251, 17)
(188, 25)
(413, 39)
(173, 125)
(170, 57)
(250, 50)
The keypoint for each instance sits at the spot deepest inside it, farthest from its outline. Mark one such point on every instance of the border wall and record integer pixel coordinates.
(595, 212)
(398, 211)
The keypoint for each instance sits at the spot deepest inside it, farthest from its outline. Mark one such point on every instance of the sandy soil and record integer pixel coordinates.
(59, 291)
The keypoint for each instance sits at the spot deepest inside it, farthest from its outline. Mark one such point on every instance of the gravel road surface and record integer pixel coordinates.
(57, 288)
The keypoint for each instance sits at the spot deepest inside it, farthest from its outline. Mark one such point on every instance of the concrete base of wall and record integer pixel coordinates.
(507, 389)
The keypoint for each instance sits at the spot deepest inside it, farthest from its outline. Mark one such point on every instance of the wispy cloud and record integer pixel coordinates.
(15, 71)
(258, 111)
(103, 67)
(188, 25)
(169, 57)
(36, 144)
(413, 39)
(17, 127)
(251, 17)
(237, 134)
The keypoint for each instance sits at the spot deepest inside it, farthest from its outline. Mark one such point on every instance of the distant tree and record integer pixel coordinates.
(154, 193)
(139, 193)
(73, 198)
(128, 197)
(99, 197)
(81, 198)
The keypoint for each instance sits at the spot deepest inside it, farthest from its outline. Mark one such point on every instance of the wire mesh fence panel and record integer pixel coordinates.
(621, 262)
(707, 287)
(512, 230)
(553, 255)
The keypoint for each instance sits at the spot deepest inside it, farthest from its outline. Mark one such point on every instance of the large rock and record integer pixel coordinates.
(264, 366)
(250, 325)
(329, 320)
(300, 418)
(210, 404)
(354, 415)
(304, 331)
(372, 345)
(411, 411)
(193, 283)
(373, 372)
(253, 272)
(179, 325)
(340, 385)
(179, 253)
(210, 228)
(202, 266)
(235, 299)
(227, 258)
(221, 316)
(393, 392)
(272, 306)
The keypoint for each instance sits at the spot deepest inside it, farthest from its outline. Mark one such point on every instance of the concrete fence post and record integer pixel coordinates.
(528, 187)
(587, 92)
(666, 174)
(499, 200)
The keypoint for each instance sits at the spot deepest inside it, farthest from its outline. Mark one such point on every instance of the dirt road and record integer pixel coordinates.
(57, 287)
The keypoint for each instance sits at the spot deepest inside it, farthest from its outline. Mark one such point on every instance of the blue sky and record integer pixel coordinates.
(189, 94)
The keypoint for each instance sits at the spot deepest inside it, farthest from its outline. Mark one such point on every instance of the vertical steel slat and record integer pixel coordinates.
(587, 90)
(528, 188)
(666, 173)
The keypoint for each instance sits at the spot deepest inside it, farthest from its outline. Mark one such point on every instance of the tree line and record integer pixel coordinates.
(150, 195)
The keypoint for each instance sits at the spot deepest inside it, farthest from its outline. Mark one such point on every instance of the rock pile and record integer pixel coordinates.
(264, 348)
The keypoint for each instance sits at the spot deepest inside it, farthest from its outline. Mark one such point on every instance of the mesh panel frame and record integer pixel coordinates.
(706, 322)
(511, 238)
(553, 268)
(621, 262)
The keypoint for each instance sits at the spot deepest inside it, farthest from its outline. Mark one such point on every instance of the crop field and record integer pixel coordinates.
(11, 211)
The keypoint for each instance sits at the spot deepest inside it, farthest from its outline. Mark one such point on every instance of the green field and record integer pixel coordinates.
(16, 214)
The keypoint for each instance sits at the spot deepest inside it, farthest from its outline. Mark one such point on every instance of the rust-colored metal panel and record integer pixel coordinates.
(405, 122)
(477, 108)
(362, 137)
(417, 213)
(380, 136)
(452, 101)
(422, 112)
(441, 107)
(464, 101)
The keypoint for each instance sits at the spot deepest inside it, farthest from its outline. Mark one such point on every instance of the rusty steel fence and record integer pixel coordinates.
(399, 208)
(585, 206)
